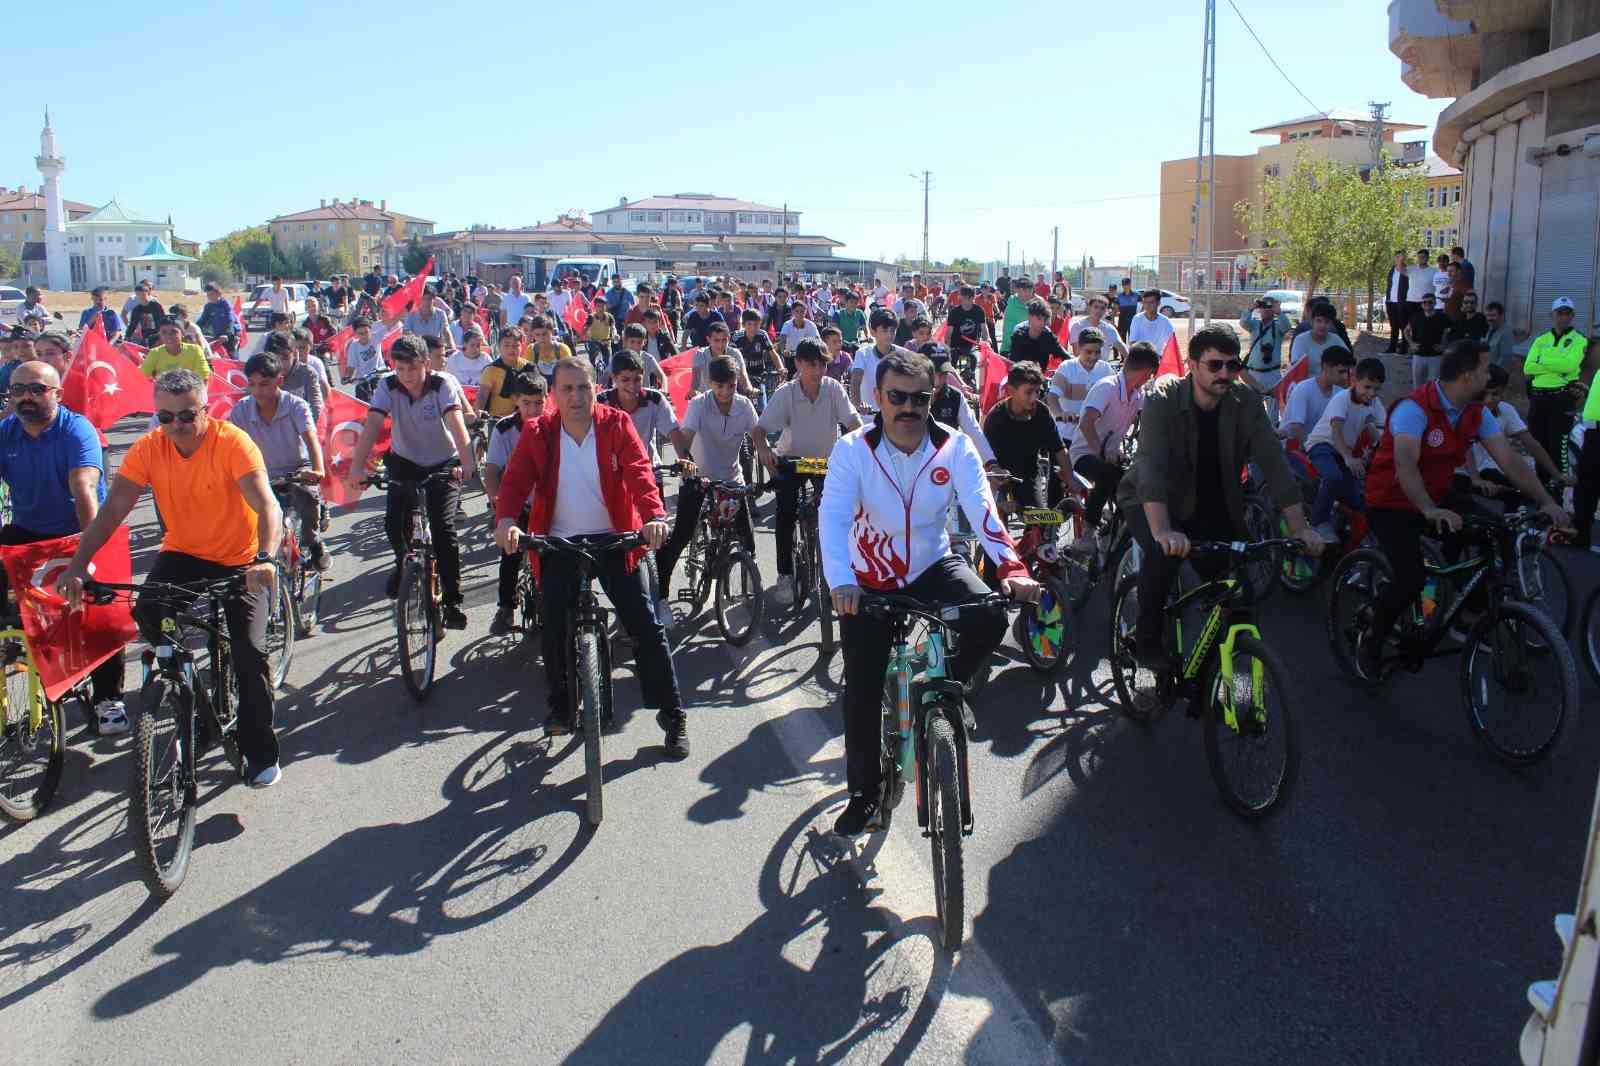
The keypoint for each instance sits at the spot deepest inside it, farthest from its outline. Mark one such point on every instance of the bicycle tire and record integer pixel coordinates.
(824, 598)
(165, 726)
(590, 688)
(804, 583)
(1589, 634)
(280, 633)
(1275, 678)
(1553, 594)
(418, 639)
(1043, 626)
(944, 828)
(1260, 574)
(1137, 688)
(18, 740)
(1527, 661)
(739, 569)
(1353, 590)
(528, 599)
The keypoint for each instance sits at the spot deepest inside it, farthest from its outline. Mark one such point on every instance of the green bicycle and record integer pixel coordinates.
(33, 734)
(1232, 681)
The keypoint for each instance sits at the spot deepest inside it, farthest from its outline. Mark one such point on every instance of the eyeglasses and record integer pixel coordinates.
(1217, 366)
(186, 416)
(909, 399)
(33, 388)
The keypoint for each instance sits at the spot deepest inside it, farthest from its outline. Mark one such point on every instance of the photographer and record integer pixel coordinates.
(1263, 358)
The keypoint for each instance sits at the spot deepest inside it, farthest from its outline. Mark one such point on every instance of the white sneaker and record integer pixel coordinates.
(266, 778)
(783, 591)
(112, 717)
(664, 612)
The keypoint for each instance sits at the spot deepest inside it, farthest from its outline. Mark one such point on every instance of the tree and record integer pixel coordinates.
(1387, 213)
(305, 261)
(416, 256)
(10, 265)
(338, 261)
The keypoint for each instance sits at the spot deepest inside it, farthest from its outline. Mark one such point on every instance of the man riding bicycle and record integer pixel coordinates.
(529, 388)
(282, 427)
(588, 475)
(1429, 436)
(210, 485)
(882, 523)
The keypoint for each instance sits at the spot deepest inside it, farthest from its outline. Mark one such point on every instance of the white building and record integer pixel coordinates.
(688, 212)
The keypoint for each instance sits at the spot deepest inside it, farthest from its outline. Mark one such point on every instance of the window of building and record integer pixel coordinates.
(655, 216)
(1427, 238)
(674, 216)
(635, 216)
(24, 216)
(763, 219)
(693, 216)
(793, 219)
(746, 218)
(5, 216)
(1455, 194)
(1431, 198)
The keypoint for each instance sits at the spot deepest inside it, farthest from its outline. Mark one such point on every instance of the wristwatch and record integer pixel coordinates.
(263, 557)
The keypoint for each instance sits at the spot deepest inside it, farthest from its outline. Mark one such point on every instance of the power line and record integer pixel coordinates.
(1274, 62)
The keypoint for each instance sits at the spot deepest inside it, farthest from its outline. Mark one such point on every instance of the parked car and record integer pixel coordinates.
(258, 313)
(1172, 304)
(11, 301)
(1291, 304)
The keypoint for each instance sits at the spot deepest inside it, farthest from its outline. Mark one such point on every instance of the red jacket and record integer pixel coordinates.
(626, 479)
(1444, 448)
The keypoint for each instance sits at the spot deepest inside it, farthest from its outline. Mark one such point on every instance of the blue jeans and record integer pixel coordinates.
(1338, 485)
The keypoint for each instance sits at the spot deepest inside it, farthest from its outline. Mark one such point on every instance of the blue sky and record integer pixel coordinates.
(1030, 115)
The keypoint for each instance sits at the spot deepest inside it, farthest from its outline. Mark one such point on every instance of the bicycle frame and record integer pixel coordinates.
(36, 696)
(1222, 591)
(915, 691)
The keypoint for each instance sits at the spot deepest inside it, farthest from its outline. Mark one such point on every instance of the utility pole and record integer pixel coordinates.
(1008, 257)
(924, 177)
(1378, 115)
(1055, 248)
(1205, 159)
(785, 264)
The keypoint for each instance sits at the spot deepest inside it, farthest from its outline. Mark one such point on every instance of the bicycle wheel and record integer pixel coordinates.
(1253, 758)
(1544, 582)
(413, 620)
(162, 803)
(591, 691)
(803, 583)
(31, 756)
(280, 632)
(1589, 634)
(944, 827)
(1297, 573)
(1356, 584)
(1043, 626)
(528, 599)
(824, 597)
(739, 603)
(1518, 682)
(1261, 572)
(1139, 689)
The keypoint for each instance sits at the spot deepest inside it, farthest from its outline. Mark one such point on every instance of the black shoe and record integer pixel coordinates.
(320, 559)
(503, 622)
(391, 588)
(558, 724)
(675, 725)
(1153, 656)
(454, 616)
(859, 814)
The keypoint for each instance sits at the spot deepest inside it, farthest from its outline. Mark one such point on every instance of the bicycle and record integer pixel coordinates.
(169, 737)
(302, 581)
(419, 603)
(716, 557)
(809, 580)
(1509, 648)
(33, 732)
(1225, 672)
(589, 702)
(1589, 633)
(925, 734)
(1040, 629)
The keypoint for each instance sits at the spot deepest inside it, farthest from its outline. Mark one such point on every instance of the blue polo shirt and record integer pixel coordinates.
(36, 470)
(111, 320)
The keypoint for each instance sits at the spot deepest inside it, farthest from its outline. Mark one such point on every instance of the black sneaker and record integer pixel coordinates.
(320, 559)
(859, 814)
(391, 588)
(503, 622)
(675, 725)
(454, 616)
(558, 724)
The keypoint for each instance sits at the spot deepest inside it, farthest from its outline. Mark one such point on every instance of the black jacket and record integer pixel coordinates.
(1405, 286)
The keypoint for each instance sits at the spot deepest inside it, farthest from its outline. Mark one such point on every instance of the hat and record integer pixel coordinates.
(1563, 303)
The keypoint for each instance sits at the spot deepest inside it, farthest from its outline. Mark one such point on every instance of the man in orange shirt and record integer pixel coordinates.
(222, 520)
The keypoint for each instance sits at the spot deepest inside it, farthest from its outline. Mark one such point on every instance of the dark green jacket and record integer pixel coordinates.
(1163, 470)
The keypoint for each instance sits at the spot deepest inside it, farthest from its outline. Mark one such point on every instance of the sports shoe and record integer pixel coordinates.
(664, 612)
(783, 591)
(674, 723)
(502, 623)
(111, 717)
(454, 616)
(391, 588)
(860, 813)
(266, 778)
(320, 559)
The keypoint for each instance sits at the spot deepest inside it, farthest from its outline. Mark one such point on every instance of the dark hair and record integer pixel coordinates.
(721, 369)
(635, 330)
(921, 322)
(1213, 338)
(1090, 335)
(1142, 355)
(810, 350)
(625, 362)
(1499, 376)
(881, 317)
(359, 321)
(1458, 250)
(409, 348)
(750, 315)
(1024, 373)
(906, 363)
(829, 331)
(1037, 308)
(1461, 358)
(262, 364)
(717, 326)
(1495, 305)
(965, 290)
(510, 331)
(278, 319)
(1337, 355)
(277, 344)
(1150, 292)
(701, 297)
(856, 296)
(1371, 368)
(528, 383)
(541, 322)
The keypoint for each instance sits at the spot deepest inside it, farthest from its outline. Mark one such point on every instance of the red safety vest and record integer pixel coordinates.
(1444, 449)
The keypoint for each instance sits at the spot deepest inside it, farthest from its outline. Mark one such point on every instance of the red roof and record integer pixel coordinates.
(345, 209)
(33, 201)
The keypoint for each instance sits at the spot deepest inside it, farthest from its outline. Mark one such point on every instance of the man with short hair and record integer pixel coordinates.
(278, 297)
(283, 430)
(1316, 340)
(618, 299)
(217, 320)
(143, 314)
(32, 306)
(798, 328)
(1466, 273)
(1150, 324)
(1419, 283)
(1331, 445)
(716, 347)
(1263, 357)
(52, 461)
(697, 323)
(174, 354)
(758, 352)
(300, 378)
(1016, 314)
(651, 411)
(1555, 359)
(513, 303)
(496, 396)
(1425, 331)
(1127, 304)
(429, 318)
(1502, 345)
(1396, 291)
(1109, 408)
(1308, 399)
(1472, 325)
(530, 389)
(852, 321)
(1094, 318)
(210, 487)
(1032, 341)
(109, 319)
(1072, 381)
(428, 436)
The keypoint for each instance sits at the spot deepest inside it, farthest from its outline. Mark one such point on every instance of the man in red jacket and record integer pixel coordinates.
(589, 474)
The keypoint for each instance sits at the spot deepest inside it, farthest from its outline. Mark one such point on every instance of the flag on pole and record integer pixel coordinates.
(1171, 360)
(993, 369)
(577, 315)
(337, 343)
(103, 384)
(408, 295)
(679, 371)
(1298, 372)
(340, 428)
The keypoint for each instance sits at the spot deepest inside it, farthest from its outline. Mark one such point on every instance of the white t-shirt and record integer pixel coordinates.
(514, 305)
(1306, 404)
(1108, 330)
(1115, 408)
(1072, 373)
(1511, 423)
(1308, 347)
(1356, 419)
(580, 505)
(464, 369)
(702, 360)
(1421, 282)
(866, 361)
(364, 359)
(717, 436)
(1155, 330)
(278, 300)
(792, 335)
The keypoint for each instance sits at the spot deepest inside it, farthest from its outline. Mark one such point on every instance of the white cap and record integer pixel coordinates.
(1563, 303)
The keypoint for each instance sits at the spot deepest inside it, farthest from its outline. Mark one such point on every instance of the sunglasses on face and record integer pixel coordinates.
(186, 416)
(909, 399)
(36, 388)
(1217, 366)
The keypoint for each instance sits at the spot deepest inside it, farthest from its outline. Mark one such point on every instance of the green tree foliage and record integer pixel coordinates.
(338, 261)
(416, 256)
(10, 265)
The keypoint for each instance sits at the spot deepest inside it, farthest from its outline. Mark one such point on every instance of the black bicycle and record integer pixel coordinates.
(717, 560)
(809, 580)
(189, 701)
(419, 605)
(589, 704)
(302, 589)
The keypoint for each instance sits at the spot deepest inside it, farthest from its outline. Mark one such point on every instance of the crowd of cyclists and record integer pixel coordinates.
(558, 402)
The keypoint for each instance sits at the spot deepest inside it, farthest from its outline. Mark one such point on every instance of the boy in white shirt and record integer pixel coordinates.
(1331, 445)
(1308, 399)
(1072, 382)
(468, 363)
(1483, 473)
(364, 355)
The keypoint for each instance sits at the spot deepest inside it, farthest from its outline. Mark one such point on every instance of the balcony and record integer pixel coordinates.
(1438, 54)
(1498, 16)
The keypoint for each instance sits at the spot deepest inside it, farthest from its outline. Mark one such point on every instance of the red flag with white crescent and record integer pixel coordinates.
(408, 295)
(1171, 360)
(103, 384)
(993, 370)
(343, 417)
(679, 372)
(1298, 372)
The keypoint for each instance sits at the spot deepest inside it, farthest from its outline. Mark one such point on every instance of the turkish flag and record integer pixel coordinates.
(1299, 371)
(244, 334)
(231, 372)
(577, 312)
(67, 645)
(103, 384)
(408, 295)
(483, 323)
(679, 371)
(336, 344)
(994, 368)
(941, 333)
(340, 427)
(1064, 330)
(471, 393)
(221, 395)
(136, 352)
(1171, 361)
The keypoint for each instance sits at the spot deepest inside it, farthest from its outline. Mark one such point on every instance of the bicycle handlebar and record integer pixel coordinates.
(589, 547)
(381, 480)
(1243, 548)
(888, 604)
(101, 593)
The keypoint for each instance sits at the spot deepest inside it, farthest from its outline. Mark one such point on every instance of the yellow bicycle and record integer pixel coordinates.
(33, 735)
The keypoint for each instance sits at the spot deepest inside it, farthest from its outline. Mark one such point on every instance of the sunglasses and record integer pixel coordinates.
(909, 399)
(36, 388)
(186, 416)
(1217, 366)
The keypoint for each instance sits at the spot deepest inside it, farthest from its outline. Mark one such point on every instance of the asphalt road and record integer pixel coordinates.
(420, 886)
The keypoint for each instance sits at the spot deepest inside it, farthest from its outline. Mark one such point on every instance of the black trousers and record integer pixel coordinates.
(1105, 477)
(107, 677)
(558, 584)
(246, 616)
(443, 502)
(1399, 533)
(1158, 570)
(510, 566)
(788, 510)
(866, 659)
(1550, 414)
(1398, 317)
(1588, 491)
(691, 493)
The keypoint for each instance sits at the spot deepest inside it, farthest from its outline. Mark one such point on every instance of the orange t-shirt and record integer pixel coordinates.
(205, 513)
